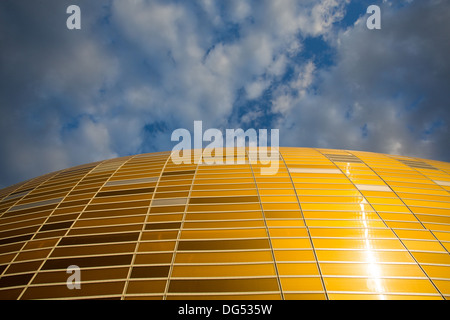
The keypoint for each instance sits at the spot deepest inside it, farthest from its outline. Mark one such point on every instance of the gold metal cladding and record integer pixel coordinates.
(328, 224)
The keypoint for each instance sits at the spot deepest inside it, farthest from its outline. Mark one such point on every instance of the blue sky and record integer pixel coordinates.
(137, 70)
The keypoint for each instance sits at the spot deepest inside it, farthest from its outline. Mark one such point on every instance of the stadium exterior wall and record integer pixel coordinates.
(330, 224)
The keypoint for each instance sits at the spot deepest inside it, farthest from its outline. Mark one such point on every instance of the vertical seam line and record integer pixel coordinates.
(307, 229)
(267, 228)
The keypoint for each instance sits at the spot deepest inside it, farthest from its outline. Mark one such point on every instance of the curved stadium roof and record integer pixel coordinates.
(331, 224)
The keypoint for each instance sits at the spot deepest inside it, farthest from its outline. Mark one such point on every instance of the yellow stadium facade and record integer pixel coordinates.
(330, 224)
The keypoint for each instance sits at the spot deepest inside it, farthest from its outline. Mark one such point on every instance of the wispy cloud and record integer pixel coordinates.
(139, 69)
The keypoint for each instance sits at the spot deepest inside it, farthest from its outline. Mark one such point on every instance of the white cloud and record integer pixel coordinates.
(386, 92)
(71, 98)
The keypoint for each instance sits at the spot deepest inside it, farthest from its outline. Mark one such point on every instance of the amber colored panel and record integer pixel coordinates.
(371, 269)
(285, 223)
(109, 221)
(398, 217)
(418, 245)
(66, 203)
(56, 226)
(198, 185)
(223, 257)
(177, 173)
(305, 296)
(157, 246)
(225, 233)
(296, 214)
(294, 255)
(240, 181)
(6, 258)
(98, 261)
(61, 218)
(352, 233)
(159, 235)
(153, 258)
(376, 284)
(278, 199)
(443, 236)
(107, 238)
(233, 200)
(437, 271)
(384, 296)
(282, 206)
(227, 270)
(125, 192)
(172, 182)
(29, 211)
(113, 213)
(164, 217)
(224, 216)
(36, 244)
(65, 211)
(226, 297)
(144, 297)
(86, 190)
(335, 207)
(443, 286)
(211, 193)
(268, 190)
(84, 250)
(301, 284)
(297, 269)
(348, 215)
(11, 248)
(50, 234)
(429, 257)
(293, 243)
(85, 274)
(17, 232)
(357, 244)
(62, 291)
(15, 239)
(224, 285)
(224, 207)
(173, 194)
(223, 224)
(149, 286)
(28, 216)
(167, 209)
(108, 230)
(445, 213)
(404, 225)
(162, 226)
(364, 256)
(437, 227)
(17, 280)
(150, 272)
(223, 244)
(172, 189)
(446, 245)
(20, 224)
(10, 294)
(118, 205)
(22, 267)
